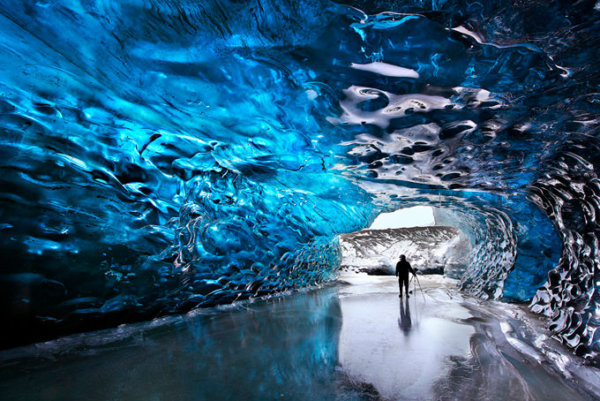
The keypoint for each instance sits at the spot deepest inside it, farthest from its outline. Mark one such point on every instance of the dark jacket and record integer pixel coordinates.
(403, 268)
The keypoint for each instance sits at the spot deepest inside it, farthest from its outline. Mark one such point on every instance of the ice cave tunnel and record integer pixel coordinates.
(161, 156)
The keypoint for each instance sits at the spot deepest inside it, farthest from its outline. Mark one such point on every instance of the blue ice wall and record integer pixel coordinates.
(158, 156)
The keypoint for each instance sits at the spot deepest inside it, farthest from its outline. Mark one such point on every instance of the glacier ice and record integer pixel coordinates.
(158, 156)
(435, 249)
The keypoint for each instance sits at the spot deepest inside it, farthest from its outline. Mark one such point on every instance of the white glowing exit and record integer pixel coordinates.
(418, 216)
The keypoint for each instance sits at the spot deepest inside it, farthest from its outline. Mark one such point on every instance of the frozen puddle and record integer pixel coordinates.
(352, 341)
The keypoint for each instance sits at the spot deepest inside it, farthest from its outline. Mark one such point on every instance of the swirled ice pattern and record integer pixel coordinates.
(158, 155)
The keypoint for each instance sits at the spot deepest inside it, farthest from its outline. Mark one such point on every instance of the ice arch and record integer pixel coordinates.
(157, 157)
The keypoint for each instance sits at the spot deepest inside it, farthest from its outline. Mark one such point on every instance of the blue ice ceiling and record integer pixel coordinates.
(158, 156)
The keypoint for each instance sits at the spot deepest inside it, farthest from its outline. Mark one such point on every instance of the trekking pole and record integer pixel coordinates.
(416, 304)
(421, 288)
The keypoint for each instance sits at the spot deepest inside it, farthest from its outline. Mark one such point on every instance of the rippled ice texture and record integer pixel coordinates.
(157, 156)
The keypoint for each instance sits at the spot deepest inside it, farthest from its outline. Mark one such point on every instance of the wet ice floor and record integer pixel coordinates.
(443, 345)
(401, 346)
(352, 341)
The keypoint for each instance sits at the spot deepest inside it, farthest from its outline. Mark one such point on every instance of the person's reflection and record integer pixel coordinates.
(404, 321)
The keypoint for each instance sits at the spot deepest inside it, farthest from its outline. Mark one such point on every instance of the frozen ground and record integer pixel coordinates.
(351, 341)
(443, 345)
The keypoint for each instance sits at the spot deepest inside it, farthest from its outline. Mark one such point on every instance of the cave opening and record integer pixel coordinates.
(431, 247)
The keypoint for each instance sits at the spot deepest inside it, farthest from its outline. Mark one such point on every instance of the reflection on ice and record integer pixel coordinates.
(283, 349)
(354, 342)
(404, 321)
(443, 345)
(401, 364)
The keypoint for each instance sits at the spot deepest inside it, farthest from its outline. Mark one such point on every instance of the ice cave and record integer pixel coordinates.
(188, 193)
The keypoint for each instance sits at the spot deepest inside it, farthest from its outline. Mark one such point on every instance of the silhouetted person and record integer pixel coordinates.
(404, 322)
(402, 270)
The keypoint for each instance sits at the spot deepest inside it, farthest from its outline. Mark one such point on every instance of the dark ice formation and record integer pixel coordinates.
(157, 156)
